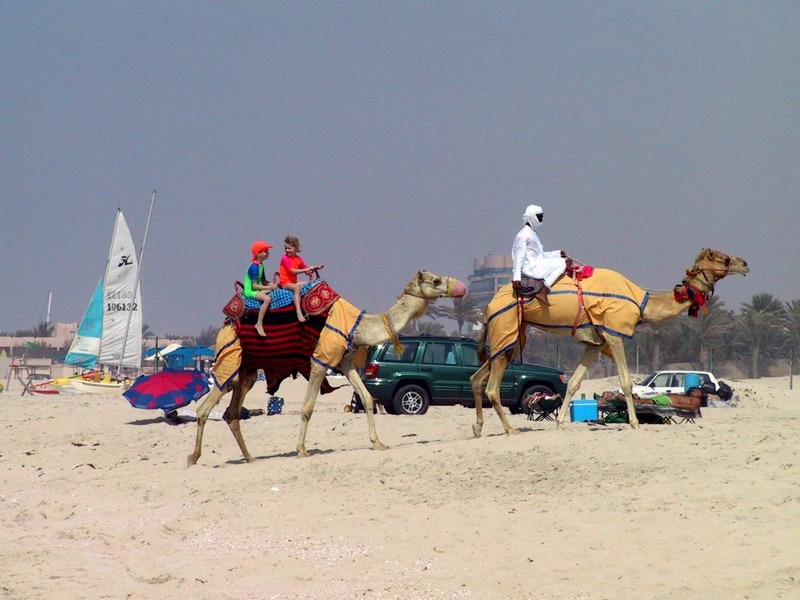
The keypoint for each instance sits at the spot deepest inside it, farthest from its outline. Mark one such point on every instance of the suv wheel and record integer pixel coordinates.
(411, 400)
(519, 407)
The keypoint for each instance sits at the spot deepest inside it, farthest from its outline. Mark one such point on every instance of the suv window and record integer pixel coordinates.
(409, 353)
(437, 353)
(470, 354)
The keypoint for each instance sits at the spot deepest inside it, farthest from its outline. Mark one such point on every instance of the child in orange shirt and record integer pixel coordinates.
(290, 267)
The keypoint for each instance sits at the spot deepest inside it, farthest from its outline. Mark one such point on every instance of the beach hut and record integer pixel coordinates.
(190, 357)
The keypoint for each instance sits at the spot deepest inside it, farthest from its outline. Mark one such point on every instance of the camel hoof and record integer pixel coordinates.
(379, 446)
(191, 460)
(476, 430)
(561, 427)
(302, 453)
(513, 431)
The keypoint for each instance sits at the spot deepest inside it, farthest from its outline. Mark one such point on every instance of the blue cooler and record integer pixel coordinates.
(691, 380)
(583, 410)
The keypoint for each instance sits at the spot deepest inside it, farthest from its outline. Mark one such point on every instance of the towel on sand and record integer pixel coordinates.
(614, 304)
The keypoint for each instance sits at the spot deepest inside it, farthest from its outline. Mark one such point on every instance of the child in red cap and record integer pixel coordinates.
(255, 285)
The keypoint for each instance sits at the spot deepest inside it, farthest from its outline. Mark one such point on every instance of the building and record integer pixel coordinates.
(63, 333)
(489, 274)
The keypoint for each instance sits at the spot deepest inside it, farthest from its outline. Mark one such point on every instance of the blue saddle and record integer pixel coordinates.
(280, 297)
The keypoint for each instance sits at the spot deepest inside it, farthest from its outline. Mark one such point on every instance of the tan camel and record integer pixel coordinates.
(600, 313)
(365, 330)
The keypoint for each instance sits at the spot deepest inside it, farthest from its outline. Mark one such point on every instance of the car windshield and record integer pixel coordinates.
(647, 380)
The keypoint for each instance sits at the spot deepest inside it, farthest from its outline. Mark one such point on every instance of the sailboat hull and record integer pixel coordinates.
(99, 387)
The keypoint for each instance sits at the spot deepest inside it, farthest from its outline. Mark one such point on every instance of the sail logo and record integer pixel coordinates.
(125, 261)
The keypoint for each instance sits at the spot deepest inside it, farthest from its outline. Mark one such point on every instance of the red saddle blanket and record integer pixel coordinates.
(287, 348)
(319, 299)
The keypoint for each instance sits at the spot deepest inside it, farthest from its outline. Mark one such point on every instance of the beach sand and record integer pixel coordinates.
(96, 501)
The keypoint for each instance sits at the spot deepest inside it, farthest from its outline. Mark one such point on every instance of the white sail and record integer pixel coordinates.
(121, 344)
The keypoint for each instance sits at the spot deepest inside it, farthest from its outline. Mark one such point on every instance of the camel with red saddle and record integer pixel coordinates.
(601, 311)
(337, 339)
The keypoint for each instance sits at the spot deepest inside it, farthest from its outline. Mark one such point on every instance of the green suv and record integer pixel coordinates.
(436, 370)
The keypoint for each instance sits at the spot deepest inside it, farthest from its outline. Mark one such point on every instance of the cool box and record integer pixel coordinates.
(583, 410)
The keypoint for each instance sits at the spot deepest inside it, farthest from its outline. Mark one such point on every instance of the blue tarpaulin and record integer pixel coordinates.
(187, 357)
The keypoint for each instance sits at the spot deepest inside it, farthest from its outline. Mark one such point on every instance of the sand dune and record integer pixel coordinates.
(97, 502)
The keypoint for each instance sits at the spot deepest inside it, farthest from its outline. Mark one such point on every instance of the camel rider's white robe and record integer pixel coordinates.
(530, 259)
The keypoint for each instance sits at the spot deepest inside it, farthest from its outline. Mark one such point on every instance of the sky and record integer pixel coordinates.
(391, 137)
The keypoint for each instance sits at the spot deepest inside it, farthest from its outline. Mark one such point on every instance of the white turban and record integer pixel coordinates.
(533, 216)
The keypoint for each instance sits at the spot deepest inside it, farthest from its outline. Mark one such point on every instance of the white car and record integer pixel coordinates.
(671, 382)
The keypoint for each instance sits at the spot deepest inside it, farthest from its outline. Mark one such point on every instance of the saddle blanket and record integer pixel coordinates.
(613, 303)
(281, 297)
(228, 357)
(319, 300)
(284, 352)
(336, 338)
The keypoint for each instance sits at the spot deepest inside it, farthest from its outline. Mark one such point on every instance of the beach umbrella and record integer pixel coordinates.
(167, 390)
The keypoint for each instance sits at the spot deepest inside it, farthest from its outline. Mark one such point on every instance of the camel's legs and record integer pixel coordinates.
(315, 378)
(478, 380)
(349, 370)
(203, 410)
(617, 347)
(207, 405)
(573, 385)
(234, 410)
(495, 369)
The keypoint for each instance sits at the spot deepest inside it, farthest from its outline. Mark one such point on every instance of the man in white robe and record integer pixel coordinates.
(530, 261)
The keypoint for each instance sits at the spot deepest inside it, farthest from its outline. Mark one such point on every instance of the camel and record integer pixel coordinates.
(600, 311)
(340, 346)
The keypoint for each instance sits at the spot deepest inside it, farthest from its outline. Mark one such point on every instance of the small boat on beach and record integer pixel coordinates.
(110, 333)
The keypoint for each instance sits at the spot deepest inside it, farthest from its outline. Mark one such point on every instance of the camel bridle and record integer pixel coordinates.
(698, 286)
(449, 285)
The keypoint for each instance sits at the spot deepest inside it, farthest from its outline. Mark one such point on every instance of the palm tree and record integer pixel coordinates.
(465, 310)
(424, 327)
(711, 328)
(792, 310)
(147, 333)
(208, 336)
(760, 329)
(44, 329)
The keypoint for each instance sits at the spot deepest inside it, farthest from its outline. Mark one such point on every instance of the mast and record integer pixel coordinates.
(136, 285)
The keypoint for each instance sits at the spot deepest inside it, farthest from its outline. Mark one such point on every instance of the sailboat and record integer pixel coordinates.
(110, 333)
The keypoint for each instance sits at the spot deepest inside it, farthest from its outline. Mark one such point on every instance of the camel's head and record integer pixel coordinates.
(432, 286)
(709, 267)
(715, 265)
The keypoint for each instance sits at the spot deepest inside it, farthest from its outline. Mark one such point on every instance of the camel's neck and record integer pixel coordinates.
(372, 329)
(662, 306)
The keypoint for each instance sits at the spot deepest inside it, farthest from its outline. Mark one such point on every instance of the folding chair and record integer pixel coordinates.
(542, 408)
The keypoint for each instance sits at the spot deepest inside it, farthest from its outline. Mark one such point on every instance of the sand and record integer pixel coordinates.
(96, 501)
